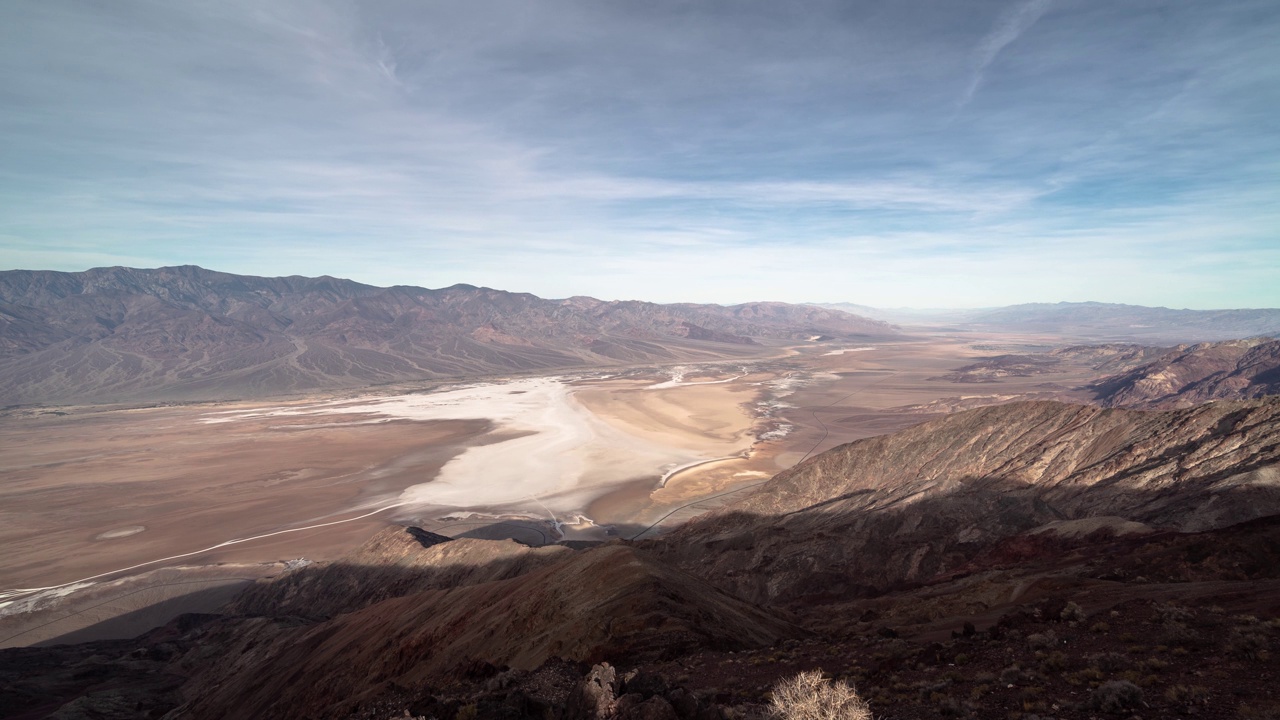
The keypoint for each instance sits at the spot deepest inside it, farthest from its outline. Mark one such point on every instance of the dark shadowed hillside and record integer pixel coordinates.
(611, 602)
(188, 333)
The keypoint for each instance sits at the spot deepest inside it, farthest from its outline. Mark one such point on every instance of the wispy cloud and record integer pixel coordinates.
(1009, 27)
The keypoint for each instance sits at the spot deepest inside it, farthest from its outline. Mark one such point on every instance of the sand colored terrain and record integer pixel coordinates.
(711, 416)
(76, 488)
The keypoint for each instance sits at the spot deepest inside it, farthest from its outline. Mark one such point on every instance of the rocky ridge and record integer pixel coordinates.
(1189, 375)
(903, 509)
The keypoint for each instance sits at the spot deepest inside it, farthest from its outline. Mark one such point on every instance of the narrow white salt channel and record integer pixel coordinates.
(677, 379)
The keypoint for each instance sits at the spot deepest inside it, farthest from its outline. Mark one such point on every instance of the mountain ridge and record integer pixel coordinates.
(900, 509)
(113, 334)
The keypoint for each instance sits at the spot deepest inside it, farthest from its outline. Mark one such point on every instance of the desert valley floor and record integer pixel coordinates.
(114, 517)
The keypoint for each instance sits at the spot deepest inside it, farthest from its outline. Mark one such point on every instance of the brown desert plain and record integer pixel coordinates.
(115, 518)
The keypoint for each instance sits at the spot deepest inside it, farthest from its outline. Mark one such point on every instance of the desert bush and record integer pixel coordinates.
(950, 707)
(1153, 665)
(809, 696)
(1171, 613)
(1072, 613)
(1115, 696)
(1054, 662)
(1089, 675)
(1042, 641)
(1108, 661)
(1185, 693)
(1177, 635)
(1243, 643)
(1012, 675)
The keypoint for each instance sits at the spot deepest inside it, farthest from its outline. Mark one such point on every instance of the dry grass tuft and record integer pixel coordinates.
(808, 696)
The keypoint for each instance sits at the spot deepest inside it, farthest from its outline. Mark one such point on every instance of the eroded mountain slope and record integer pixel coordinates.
(905, 508)
(1188, 376)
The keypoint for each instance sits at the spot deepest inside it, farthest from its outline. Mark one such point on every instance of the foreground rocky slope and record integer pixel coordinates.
(186, 332)
(612, 602)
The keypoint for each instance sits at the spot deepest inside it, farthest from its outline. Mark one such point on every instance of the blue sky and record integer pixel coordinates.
(948, 153)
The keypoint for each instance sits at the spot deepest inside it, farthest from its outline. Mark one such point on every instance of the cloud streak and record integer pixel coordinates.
(1009, 27)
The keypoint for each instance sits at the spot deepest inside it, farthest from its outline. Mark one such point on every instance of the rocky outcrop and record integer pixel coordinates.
(594, 697)
(906, 508)
(991, 370)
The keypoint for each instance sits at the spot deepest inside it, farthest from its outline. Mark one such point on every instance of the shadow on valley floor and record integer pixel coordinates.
(137, 622)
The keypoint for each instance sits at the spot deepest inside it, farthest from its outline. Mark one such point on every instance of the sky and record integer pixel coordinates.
(902, 153)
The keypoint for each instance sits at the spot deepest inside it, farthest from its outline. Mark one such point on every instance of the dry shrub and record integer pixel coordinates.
(1072, 613)
(808, 696)
(1115, 696)
(1042, 641)
(1246, 644)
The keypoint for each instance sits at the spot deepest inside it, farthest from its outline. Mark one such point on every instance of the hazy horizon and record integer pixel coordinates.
(922, 154)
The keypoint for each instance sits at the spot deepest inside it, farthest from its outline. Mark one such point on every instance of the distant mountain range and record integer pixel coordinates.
(116, 334)
(1090, 321)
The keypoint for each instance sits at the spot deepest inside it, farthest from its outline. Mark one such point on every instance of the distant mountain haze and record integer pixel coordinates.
(117, 334)
(1090, 320)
